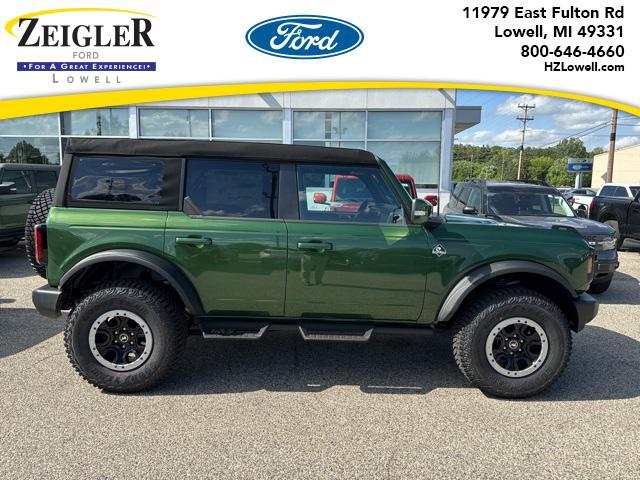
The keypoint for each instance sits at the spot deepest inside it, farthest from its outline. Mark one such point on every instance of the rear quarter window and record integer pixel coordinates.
(127, 182)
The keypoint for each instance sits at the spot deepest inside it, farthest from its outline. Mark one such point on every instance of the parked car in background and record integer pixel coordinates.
(619, 211)
(409, 185)
(620, 190)
(19, 185)
(580, 199)
(540, 205)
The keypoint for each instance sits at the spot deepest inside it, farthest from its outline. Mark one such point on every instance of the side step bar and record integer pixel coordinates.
(317, 332)
(233, 329)
(311, 331)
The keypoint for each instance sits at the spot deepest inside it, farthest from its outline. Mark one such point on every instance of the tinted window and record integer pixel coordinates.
(223, 188)
(474, 199)
(21, 180)
(346, 194)
(135, 181)
(608, 191)
(45, 179)
(520, 202)
(634, 191)
(464, 196)
(621, 192)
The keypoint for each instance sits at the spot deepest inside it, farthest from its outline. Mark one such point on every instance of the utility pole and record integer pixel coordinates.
(612, 144)
(524, 119)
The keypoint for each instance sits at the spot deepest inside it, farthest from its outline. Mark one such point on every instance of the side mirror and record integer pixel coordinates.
(581, 212)
(469, 211)
(7, 188)
(420, 211)
(319, 197)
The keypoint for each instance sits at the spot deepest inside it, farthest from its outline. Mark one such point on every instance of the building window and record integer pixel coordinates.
(101, 122)
(329, 129)
(36, 125)
(41, 150)
(409, 142)
(174, 122)
(247, 125)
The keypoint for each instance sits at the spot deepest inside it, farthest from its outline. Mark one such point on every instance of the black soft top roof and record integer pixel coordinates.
(199, 148)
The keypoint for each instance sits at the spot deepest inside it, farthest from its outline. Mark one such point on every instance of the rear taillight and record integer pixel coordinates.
(433, 199)
(40, 242)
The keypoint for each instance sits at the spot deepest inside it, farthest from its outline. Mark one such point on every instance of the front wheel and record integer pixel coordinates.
(601, 285)
(125, 336)
(512, 343)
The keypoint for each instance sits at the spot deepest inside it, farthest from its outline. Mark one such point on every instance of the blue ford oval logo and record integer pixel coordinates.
(304, 36)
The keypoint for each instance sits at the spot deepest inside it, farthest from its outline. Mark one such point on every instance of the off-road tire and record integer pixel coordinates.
(600, 286)
(475, 324)
(616, 226)
(37, 214)
(161, 311)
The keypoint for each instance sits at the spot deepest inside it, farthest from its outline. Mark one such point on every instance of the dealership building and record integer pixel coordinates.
(412, 129)
(626, 167)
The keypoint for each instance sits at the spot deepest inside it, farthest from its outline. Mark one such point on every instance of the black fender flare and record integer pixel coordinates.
(467, 284)
(164, 268)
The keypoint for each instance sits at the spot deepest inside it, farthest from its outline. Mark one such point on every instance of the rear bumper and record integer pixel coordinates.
(46, 299)
(586, 310)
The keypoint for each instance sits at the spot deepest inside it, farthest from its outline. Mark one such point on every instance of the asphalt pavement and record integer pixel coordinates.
(395, 407)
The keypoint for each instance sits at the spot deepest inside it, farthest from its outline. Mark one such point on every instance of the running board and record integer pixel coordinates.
(233, 330)
(335, 333)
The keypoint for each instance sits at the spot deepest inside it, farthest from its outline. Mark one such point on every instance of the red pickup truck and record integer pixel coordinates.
(348, 191)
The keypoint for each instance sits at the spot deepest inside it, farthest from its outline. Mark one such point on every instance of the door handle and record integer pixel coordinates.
(315, 246)
(194, 241)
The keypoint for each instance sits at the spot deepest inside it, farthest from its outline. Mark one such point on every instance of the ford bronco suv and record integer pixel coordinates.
(149, 240)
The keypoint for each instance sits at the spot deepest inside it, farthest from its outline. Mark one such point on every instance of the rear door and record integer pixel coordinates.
(15, 206)
(228, 239)
(633, 218)
(362, 263)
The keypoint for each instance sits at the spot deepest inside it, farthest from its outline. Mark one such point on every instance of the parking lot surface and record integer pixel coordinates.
(395, 407)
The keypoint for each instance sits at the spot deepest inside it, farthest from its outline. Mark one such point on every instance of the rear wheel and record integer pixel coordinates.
(126, 336)
(512, 343)
(38, 214)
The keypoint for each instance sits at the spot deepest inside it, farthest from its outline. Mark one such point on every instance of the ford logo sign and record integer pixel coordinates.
(304, 36)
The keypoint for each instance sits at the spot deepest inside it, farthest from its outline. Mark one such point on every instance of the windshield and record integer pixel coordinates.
(528, 203)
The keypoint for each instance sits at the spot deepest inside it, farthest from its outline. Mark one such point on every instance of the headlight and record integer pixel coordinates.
(603, 243)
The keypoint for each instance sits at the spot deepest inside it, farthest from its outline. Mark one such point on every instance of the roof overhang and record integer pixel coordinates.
(467, 117)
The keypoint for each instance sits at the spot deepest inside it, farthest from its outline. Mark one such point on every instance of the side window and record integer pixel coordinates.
(474, 198)
(45, 179)
(621, 192)
(464, 196)
(117, 180)
(346, 194)
(608, 191)
(231, 188)
(20, 178)
(455, 201)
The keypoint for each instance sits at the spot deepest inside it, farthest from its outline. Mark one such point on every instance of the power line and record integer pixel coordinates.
(524, 119)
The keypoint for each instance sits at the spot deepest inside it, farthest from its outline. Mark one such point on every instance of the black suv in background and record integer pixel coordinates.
(20, 183)
(541, 205)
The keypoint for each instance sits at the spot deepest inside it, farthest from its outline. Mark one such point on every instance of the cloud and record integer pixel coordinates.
(535, 137)
(566, 114)
(624, 142)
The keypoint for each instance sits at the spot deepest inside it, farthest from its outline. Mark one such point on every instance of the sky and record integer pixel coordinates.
(554, 119)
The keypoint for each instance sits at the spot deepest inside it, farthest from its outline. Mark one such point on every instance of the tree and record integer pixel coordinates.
(24, 152)
(558, 175)
(570, 148)
(538, 167)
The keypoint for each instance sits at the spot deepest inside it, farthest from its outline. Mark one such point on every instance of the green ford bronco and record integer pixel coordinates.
(148, 241)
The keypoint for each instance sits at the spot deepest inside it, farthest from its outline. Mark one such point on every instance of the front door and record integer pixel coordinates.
(228, 239)
(351, 253)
